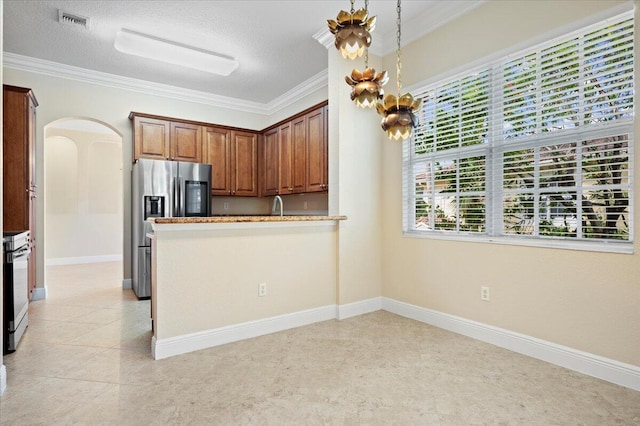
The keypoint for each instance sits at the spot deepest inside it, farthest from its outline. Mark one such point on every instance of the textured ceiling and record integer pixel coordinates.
(272, 40)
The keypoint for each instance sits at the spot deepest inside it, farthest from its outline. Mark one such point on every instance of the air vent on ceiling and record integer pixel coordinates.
(71, 19)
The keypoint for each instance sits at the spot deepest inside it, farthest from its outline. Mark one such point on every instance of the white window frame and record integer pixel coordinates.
(493, 151)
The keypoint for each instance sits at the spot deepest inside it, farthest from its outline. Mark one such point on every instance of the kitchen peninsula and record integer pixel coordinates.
(221, 279)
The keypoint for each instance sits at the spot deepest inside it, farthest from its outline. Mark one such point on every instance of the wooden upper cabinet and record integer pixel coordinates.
(160, 139)
(186, 142)
(270, 162)
(151, 138)
(316, 179)
(299, 154)
(216, 150)
(244, 154)
(285, 160)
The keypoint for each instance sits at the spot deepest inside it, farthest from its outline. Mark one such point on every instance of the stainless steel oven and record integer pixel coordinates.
(15, 267)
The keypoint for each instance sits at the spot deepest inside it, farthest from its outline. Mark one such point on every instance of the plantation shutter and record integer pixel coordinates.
(536, 145)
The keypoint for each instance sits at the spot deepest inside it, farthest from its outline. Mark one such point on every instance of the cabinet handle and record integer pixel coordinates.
(290, 189)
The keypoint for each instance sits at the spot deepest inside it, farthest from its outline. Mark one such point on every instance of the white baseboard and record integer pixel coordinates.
(126, 284)
(178, 345)
(39, 293)
(359, 308)
(84, 259)
(603, 368)
(3, 379)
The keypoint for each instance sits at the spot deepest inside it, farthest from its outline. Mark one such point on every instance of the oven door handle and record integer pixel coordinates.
(17, 255)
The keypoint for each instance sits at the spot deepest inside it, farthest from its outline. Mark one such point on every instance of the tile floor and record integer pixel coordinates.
(86, 360)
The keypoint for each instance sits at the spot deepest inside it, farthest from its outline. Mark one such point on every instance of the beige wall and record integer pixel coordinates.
(62, 98)
(585, 300)
(83, 195)
(354, 184)
(207, 279)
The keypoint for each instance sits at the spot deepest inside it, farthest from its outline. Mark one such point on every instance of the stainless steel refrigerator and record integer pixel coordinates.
(163, 189)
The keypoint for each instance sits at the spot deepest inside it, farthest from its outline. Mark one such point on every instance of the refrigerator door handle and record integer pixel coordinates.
(176, 197)
(181, 197)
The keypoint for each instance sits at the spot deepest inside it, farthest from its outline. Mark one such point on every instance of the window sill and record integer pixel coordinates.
(564, 244)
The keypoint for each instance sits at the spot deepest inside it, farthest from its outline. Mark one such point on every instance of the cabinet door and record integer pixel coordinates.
(285, 160)
(19, 169)
(299, 154)
(16, 159)
(217, 152)
(151, 138)
(270, 162)
(244, 178)
(316, 151)
(186, 142)
(32, 197)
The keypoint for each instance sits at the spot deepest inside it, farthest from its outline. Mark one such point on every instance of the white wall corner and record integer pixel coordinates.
(361, 307)
(126, 284)
(39, 293)
(593, 365)
(178, 345)
(3, 379)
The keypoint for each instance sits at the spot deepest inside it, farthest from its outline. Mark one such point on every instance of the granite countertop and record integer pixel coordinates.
(236, 219)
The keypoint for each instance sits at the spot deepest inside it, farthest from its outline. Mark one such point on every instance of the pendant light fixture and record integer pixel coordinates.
(398, 113)
(366, 85)
(353, 31)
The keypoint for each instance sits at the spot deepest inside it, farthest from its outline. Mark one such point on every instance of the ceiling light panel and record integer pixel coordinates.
(146, 46)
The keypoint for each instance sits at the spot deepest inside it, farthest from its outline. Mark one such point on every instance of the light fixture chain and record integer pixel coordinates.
(399, 52)
(366, 48)
(352, 6)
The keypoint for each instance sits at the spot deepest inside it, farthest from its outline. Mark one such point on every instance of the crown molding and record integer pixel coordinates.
(413, 29)
(55, 69)
(310, 85)
(418, 26)
(324, 37)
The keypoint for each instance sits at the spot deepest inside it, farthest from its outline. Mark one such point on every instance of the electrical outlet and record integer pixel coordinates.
(262, 289)
(484, 294)
(225, 206)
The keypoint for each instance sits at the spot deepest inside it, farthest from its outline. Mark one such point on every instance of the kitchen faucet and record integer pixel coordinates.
(277, 199)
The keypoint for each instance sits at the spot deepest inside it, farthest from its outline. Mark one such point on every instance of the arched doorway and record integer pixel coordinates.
(83, 192)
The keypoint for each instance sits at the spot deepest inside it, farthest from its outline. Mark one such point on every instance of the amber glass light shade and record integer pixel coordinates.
(366, 86)
(399, 117)
(352, 31)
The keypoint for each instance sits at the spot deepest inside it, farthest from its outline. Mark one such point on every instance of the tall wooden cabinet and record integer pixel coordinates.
(19, 168)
